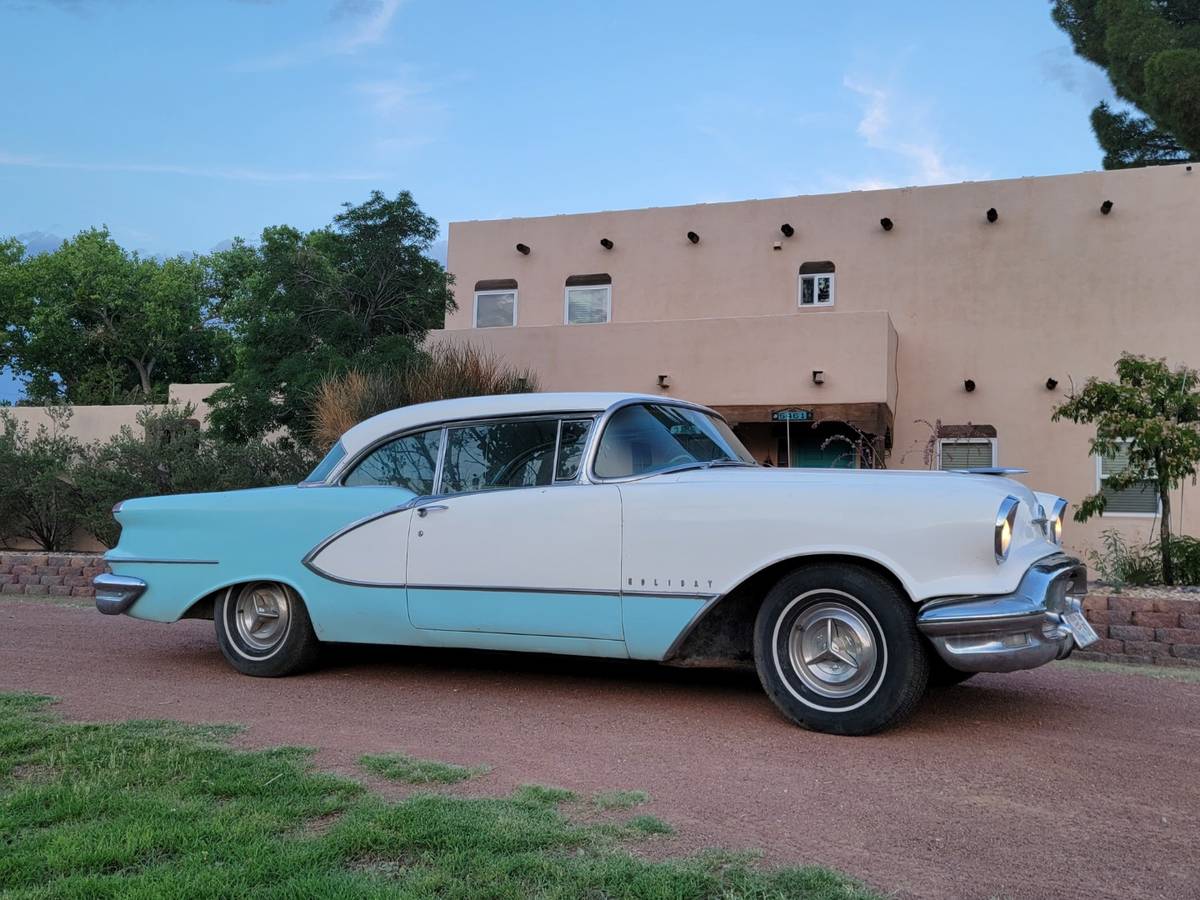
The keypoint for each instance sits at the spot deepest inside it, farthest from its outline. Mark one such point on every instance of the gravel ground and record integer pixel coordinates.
(1063, 782)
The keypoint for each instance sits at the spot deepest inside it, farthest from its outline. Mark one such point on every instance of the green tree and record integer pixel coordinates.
(1151, 51)
(39, 500)
(93, 323)
(1153, 412)
(359, 294)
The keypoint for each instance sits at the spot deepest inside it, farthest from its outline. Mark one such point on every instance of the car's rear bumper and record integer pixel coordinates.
(116, 593)
(1021, 630)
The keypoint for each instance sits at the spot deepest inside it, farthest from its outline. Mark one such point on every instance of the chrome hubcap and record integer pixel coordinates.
(832, 649)
(262, 614)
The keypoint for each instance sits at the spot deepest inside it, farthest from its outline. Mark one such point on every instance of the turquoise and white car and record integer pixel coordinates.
(623, 526)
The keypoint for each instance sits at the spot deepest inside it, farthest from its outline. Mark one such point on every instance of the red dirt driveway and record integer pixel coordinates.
(1064, 782)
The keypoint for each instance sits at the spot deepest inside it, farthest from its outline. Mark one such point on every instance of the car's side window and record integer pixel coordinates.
(493, 455)
(408, 462)
(572, 440)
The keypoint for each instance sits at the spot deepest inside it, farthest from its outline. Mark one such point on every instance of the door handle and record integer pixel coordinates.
(423, 511)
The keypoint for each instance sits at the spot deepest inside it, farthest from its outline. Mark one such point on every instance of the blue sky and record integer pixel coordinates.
(183, 124)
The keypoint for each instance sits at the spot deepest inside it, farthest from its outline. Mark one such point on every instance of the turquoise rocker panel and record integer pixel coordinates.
(523, 643)
(653, 623)
(515, 612)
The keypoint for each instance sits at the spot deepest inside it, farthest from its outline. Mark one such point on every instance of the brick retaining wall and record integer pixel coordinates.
(53, 574)
(1161, 631)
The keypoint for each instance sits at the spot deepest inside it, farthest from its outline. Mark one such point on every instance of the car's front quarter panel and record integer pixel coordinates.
(187, 546)
(708, 532)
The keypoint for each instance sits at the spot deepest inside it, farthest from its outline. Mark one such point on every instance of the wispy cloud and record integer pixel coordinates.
(405, 110)
(231, 173)
(358, 24)
(899, 131)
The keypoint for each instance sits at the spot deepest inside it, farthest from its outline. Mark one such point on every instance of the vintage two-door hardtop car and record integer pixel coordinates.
(623, 526)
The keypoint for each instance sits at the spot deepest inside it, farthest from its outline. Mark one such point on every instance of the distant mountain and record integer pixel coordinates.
(37, 242)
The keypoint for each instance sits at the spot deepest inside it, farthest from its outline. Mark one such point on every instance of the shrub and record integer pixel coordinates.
(1122, 562)
(444, 371)
(39, 499)
(174, 456)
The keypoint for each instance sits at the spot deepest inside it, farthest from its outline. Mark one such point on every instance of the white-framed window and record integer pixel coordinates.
(496, 309)
(966, 453)
(1139, 499)
(588, 299)
(816, 286)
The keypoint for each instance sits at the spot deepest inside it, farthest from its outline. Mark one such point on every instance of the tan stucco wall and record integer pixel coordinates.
(1053, 289)
(99, 423)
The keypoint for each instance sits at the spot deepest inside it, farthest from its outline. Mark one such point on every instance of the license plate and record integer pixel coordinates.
(1082, 629)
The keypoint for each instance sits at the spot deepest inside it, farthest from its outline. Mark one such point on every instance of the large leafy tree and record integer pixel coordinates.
(1153, 413)
(1151, 51)
(93, 323)
(359, 294)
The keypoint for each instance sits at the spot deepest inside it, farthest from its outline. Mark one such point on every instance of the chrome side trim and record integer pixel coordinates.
(121, 560)
(116, 593)
(312, 554)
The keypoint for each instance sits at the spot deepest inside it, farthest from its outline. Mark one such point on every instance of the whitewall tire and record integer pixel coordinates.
(837, 649)
(263, 629)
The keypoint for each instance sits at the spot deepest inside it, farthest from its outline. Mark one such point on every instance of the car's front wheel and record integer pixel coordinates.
(263, 629)
(838, 650)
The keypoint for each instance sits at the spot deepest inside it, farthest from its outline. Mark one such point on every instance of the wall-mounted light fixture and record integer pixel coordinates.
(606, 243)
(969, 385)
(693, 237)
(664, 382)
(886, 224)
(1106, 207)
(992, 215)
(1051, 383)
(523, 249)
(818, 376)
(787, 229)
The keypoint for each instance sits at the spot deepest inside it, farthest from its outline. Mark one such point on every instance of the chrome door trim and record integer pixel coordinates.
(141, 560)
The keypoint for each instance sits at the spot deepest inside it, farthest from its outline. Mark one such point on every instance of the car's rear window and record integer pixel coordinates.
(327, 465)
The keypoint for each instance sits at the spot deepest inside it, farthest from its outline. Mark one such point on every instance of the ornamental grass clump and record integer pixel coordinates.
(444, 371)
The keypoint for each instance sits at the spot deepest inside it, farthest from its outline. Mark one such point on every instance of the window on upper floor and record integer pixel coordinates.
(966, 453)
(816, 284)
(496, 303)
(588, 299)
(1139, 499)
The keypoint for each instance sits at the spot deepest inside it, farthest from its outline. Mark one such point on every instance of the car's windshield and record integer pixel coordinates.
(650, 437)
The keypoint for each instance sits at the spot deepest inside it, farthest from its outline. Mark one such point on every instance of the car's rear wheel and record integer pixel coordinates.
(263, 629)
(837, 649)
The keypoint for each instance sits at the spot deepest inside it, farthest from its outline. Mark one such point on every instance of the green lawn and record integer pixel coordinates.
(400, 767)
(153, 809)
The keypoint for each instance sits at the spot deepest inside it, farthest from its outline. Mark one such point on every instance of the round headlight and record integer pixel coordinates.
(1058, 515)
(1006, 519)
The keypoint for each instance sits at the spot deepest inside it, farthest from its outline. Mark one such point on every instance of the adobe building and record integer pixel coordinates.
(907, 328)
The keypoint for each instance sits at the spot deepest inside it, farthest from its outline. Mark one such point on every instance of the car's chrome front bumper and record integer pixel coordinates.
(116, 593)
(1021, 630)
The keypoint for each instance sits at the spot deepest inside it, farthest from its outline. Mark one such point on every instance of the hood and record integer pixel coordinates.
(909, 479)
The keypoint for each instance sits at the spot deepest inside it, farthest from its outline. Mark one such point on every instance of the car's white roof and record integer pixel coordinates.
(409, 417)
